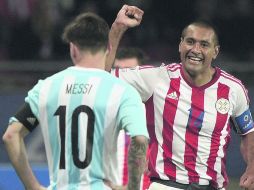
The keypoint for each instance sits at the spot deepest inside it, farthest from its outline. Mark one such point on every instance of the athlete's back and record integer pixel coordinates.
(81, 112)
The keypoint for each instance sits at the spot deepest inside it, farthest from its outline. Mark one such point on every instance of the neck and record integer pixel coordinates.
(89, 60)
(199, 79)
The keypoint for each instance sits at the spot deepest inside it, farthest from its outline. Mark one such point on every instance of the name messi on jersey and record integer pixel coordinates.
(78, 88)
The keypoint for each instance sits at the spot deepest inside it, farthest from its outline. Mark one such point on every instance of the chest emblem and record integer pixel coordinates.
(222, 106)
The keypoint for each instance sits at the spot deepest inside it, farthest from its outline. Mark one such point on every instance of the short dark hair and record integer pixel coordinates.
(132, 52)
(204, 24)
(88, 31)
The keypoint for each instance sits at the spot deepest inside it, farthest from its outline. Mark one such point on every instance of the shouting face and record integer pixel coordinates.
(198, 47)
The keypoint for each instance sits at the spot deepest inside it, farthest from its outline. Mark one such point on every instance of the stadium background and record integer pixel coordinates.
(31, 49)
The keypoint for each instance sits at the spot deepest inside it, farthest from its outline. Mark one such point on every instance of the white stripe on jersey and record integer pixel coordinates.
(178, 145)
(84, 174)
(111, 138)
(121, 154)
(64, 99)
(205, 133)
(159, 107)
(45, 128)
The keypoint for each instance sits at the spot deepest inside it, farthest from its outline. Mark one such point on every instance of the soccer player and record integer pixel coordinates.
(129, 57)
(190, 108)
(81, 111)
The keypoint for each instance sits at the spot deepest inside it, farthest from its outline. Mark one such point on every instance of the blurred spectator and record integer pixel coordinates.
(4, 29)
(29, 29)
(42, 24)
(21, 40)
(130, 57)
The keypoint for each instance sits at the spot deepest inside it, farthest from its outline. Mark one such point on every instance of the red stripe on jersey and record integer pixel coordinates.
(153, 144)
(169, 112)
(117, 72)
(194, 125)
(146, 182)
(221, 119)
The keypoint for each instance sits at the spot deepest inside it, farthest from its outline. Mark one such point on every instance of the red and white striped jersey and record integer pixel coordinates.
(189, 126)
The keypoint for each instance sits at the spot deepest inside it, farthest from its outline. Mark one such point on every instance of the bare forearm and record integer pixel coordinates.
(247, 148)
(136, 163)
(16, 151)
(115, 35)
(249, 144)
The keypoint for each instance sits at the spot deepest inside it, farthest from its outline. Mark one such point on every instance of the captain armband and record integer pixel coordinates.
(25, 116)
(243, 123)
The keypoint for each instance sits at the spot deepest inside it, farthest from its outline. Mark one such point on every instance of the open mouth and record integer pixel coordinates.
(194, 59)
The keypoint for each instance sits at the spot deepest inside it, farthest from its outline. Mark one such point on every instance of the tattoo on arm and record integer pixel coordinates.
(136, 162)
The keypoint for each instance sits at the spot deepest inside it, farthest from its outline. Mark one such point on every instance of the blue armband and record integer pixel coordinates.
(243, 123)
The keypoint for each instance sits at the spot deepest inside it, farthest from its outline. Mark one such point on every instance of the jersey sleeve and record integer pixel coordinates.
(131, 114)
(142, 78)
(242, 117)
(33, 98)
(28, 112)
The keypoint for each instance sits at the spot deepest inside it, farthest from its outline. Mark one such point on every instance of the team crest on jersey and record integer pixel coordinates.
(222, 106)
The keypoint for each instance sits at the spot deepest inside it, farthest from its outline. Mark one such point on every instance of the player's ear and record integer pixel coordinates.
(216, 51)
(180, 44)
(109, 47)
(107, 52)
(73, 51)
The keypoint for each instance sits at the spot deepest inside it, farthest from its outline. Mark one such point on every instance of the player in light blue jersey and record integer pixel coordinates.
(81, 111)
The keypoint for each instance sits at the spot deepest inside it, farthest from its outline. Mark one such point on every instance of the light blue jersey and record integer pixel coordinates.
(81, 112)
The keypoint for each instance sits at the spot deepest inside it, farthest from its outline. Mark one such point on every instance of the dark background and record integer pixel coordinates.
(31, 29)
(31, 47)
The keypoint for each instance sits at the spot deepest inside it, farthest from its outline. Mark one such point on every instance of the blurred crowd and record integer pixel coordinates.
(31, 29)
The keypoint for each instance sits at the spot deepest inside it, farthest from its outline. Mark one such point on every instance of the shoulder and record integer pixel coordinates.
(234, 83)
(122, 86)
(172, 67)
(230, 79)
(162, 66)
(142, 67)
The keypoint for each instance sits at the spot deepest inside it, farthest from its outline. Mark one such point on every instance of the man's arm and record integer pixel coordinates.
(247, 150)
(127, 17)
(136, 161)
(14, 143)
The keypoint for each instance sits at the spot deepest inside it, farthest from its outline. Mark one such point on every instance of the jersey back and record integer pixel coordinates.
(81, 112)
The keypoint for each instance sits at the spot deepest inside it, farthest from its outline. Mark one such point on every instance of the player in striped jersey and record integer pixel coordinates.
(190, 106)
(81, 111)
(129, 57)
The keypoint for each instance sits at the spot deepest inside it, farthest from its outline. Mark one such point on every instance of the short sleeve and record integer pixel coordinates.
(33, 98)
(132, 113)
(142, 78)
(242, 117)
